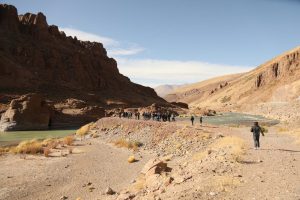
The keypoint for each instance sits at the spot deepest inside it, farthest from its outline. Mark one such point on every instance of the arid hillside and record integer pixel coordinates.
(192, 92)
(274, 83)
(37, 57)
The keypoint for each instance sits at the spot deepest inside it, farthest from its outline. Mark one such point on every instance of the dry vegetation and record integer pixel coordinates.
(3, 150)
(35, 146)
(134, 145)
(84, 130)
(28, 147)
(68, 140)
(295, 132)
(234, 145)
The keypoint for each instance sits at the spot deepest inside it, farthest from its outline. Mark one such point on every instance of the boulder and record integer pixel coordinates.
(29, 112)
(155, 166)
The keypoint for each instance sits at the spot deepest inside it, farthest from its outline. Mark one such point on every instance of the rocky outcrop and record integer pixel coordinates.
(76, 76)
(283, 68)
(36, 57)
(29, 112)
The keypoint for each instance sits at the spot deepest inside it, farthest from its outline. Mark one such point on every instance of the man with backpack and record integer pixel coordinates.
(256, 130)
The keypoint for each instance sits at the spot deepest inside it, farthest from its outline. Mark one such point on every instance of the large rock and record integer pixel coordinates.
(155, 166)
(29, 112)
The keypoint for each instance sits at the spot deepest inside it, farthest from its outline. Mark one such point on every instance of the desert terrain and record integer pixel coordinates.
(190, 162)
(121, 140)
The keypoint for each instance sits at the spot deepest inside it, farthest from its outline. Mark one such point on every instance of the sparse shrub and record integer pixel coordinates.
(131, 159)
(84, 130)
(3, 150)
(68, 140)
(51, 143)
(264, 129)
(282, 129)
(46, 151)
(128, 144)
(225, 99)
(29, 147)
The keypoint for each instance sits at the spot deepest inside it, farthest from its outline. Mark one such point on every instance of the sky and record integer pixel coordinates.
(159, 42)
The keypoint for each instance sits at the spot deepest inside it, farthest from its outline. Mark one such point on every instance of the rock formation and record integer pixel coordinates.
(28, 112)
(38, 58)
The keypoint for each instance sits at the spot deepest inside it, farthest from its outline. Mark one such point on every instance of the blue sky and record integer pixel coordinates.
(174, 41)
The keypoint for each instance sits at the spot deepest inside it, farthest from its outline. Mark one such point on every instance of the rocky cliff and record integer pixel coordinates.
(38, 58)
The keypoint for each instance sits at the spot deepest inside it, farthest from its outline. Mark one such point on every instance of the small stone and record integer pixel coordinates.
(212, 194)
(109, 191)
(133, 181)
(131, 159)
(63, 197)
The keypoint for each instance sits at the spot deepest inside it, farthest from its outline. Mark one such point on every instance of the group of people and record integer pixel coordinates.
(155, 116)
(193, 119)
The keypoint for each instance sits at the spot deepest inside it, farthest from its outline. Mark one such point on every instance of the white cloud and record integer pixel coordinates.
(151, 72)
(157, 72)
(113, 47)
(125, 52)
(81, 35)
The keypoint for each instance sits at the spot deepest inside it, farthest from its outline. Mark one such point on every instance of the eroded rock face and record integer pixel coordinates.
(285, 68)
(36, 57)
(77, 76)
(29, 112)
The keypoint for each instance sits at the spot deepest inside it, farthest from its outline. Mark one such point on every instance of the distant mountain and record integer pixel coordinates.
(265, 89)
(163, 90)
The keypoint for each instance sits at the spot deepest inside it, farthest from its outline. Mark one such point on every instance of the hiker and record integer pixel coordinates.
(256, 130)
(201, 120)
(192, 119)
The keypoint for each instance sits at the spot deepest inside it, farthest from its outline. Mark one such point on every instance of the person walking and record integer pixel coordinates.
(256, 130)
(201, 120)
(192, 120)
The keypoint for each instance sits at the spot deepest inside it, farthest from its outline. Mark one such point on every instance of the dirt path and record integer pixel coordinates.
(37, 177)
(273, 172)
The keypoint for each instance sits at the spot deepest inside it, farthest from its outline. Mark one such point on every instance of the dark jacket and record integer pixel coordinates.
(256, 130)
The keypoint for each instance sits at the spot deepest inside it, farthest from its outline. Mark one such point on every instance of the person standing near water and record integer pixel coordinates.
(256, 130)
(201, 120)
(192, 119)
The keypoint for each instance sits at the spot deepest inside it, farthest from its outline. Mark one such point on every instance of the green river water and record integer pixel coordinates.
(232, 118)
(14, 137)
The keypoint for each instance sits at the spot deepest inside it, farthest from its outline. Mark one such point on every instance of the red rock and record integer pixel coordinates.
(29, 112)
(35, 57)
